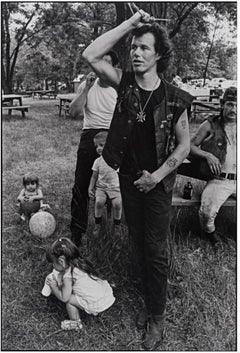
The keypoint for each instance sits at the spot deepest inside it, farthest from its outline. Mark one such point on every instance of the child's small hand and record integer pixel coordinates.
(26, 199)
(31, 198)
(51, 281)
(91, 193)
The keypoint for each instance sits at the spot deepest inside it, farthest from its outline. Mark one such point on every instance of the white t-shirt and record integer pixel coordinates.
(94, 295)
(107, 176)
(99, 107)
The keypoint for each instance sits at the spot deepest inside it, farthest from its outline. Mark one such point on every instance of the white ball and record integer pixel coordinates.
(42, 224)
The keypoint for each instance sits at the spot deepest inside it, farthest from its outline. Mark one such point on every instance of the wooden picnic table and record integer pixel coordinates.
(8, 103)
(41, 93)
(64, 100)
(9, 98)
(200, 106)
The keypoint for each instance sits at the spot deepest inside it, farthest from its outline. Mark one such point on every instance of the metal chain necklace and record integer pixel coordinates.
(141, 115)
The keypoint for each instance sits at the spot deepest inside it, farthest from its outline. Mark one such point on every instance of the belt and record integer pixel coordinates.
(229, 176)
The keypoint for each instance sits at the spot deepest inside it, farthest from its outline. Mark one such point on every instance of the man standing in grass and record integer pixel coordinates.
(214, 145)
(147, 140)
(97, 100)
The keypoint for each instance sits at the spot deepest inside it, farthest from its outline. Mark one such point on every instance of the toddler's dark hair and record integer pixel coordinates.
(30, 177)
(64, 246)
(100, 136)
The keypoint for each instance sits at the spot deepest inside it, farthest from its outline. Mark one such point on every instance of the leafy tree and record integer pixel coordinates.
(51, 37)
(69, 27)
(16, 22)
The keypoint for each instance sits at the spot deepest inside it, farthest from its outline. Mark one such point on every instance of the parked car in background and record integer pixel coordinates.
(229, 83)
(217, 81)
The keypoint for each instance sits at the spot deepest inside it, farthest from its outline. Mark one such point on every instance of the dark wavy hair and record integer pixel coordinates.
(30, 177)
(64, 246)
(162, 43)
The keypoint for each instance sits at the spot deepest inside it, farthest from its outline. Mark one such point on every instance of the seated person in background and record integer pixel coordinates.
(30, 199)
(106, 182)
(215, 145)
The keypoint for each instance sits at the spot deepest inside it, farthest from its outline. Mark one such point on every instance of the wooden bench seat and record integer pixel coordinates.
(179, 201)
(22, 108)
(200, 107)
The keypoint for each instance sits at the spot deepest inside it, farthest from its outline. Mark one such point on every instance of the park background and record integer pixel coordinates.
(41, 48)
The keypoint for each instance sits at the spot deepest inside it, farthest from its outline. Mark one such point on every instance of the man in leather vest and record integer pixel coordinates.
(215, 144)
(147, 140)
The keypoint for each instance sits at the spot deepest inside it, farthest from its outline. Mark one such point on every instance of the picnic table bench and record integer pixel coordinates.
(64, 101)
(179, 201)
(8, 104)
(42, 93)
(199, 107)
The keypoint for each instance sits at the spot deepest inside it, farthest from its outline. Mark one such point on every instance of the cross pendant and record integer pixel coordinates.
(141, 117)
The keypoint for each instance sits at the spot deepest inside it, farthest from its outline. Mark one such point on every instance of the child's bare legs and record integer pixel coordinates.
(73, 312)
(117, 208)
(99, 207)
(117, 214)
(72, 308)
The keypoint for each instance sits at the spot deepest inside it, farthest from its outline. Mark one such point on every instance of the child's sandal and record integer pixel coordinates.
(71, 325)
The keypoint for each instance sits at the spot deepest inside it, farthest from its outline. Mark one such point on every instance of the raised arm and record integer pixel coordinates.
(148, 181)
(95, 52)
(78, 103)
(204, 134)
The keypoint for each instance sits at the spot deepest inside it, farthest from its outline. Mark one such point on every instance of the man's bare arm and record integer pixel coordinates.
(149, 180)
(78, 103)
(204, 133)
(95, 52)
(181, 151)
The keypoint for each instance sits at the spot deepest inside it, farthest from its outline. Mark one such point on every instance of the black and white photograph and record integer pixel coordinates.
(119, 176)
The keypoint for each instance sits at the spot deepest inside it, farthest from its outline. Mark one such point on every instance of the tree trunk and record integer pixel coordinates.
(122, 46)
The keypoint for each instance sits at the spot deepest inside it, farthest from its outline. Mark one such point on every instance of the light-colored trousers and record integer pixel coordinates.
(213, 197)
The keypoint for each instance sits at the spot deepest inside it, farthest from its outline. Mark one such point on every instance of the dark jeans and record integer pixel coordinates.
(148, 219)
(86, 155)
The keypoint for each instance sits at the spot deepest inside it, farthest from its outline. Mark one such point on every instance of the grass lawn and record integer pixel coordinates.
(202, 297)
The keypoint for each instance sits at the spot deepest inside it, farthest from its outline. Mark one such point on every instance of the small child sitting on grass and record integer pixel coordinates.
(81, 287)
(104, 184)
(30, 199)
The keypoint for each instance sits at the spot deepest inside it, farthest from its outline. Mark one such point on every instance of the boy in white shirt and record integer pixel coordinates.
(104, 184)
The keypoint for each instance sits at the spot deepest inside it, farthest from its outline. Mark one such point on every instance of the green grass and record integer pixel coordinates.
(202, 297)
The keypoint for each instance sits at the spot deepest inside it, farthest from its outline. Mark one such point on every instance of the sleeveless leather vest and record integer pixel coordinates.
(217, 144)
(165, 115)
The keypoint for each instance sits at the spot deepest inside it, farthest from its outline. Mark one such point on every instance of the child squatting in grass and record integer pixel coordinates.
(80, 286)
(30, 199)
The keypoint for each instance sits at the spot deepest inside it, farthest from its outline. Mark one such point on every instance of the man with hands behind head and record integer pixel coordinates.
(147, 140)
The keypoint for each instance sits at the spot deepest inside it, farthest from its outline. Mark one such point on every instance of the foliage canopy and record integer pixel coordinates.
(42, 42)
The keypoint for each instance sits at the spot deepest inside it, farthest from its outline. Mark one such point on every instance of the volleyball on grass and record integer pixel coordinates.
(42, 224)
